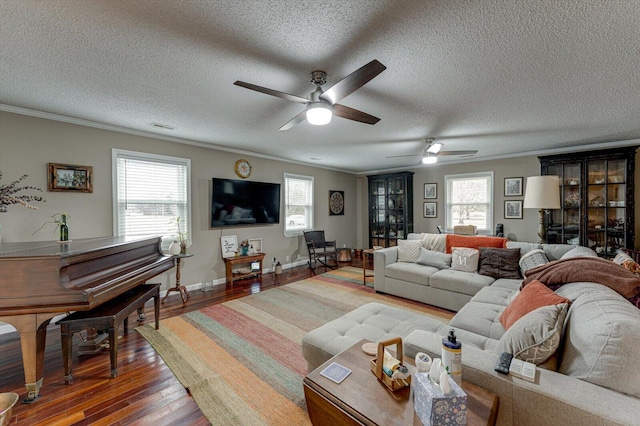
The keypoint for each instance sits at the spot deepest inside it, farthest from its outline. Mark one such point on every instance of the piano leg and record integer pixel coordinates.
(33, 335)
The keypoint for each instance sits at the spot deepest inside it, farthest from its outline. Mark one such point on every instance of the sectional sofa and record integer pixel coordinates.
(587, 377)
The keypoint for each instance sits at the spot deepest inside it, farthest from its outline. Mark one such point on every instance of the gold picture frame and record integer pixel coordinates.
(70, 178)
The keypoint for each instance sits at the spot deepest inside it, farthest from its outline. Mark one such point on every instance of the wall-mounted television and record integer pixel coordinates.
(239, 202)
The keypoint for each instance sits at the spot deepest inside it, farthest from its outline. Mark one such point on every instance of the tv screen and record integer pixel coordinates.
(240, 202)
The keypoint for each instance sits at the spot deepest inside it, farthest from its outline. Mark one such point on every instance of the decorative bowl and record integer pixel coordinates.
(7, 401)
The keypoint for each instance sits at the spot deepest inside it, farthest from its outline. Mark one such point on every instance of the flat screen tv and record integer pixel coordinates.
(240, 202)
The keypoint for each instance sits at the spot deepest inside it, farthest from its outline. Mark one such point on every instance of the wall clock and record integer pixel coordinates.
(336, 203)
(243, 168)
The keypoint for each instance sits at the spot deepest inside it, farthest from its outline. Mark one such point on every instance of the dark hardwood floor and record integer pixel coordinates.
(145, 391)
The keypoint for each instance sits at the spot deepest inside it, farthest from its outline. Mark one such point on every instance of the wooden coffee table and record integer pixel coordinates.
(362, 400)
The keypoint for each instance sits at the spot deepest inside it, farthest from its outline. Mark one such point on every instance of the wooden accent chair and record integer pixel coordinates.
(320, 250)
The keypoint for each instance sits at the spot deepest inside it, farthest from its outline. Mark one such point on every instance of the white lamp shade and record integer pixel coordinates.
(429, 158)
(542, 192)
(319, 113)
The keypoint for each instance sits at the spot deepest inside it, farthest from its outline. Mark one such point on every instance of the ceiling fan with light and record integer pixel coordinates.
(321, 105)
(433, 150)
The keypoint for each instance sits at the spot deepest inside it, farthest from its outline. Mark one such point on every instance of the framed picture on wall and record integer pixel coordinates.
(513, 209)
(430, 209)
(255, 245)
(430, 191)
(67, 177)
(513, 187)
(229, 244)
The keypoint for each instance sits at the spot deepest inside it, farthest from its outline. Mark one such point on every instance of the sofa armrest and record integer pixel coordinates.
(553, 398)
(382, 258)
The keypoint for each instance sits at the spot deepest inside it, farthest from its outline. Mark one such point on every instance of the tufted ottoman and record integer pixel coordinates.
(373, 321)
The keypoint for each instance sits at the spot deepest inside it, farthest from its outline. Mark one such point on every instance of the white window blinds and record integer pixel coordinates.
(150, 192)
(469, 201)
(298, 204)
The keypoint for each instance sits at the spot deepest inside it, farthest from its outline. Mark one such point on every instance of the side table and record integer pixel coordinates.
(230, 261)
(184, 294)
(365, 275)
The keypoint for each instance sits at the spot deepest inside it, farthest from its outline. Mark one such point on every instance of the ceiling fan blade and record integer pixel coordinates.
(354, 114)
(352, 82)
(277, 94)
(401, 156)
(294, 121)
(457, 152)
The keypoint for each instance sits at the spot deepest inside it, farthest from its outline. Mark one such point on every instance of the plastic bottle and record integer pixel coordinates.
(452, 356)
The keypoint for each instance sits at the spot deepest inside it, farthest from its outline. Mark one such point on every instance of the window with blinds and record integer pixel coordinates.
(150, 193)
(298, 204)
(469, 201)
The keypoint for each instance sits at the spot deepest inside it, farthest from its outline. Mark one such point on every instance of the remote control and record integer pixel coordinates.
(504, 362)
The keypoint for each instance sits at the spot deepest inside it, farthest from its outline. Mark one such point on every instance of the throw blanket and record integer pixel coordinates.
(589, 269)
(435, 242)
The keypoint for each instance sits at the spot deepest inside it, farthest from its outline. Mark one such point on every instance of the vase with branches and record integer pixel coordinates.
(10, 194)
(60, 220)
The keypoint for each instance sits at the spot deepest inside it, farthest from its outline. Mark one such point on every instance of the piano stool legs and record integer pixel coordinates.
(107, 316)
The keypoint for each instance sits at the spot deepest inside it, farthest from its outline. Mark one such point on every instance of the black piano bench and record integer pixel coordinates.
(107, 316)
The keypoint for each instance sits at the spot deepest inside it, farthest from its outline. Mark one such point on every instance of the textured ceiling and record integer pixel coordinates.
(502, 77)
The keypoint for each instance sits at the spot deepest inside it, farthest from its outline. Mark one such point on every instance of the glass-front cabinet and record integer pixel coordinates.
(390, 208)
(596, 192)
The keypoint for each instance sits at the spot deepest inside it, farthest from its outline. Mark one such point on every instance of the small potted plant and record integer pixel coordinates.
(181, 237)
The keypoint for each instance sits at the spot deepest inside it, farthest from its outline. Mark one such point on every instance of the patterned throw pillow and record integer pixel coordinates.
(409, 250)
(464, 259)
(536, 336)
(530, 260)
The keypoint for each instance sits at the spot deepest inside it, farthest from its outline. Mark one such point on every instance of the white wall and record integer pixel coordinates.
(27, 144)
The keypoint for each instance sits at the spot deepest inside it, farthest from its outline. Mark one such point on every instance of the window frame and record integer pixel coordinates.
(116, 154)
(294, 232)
(448, 179)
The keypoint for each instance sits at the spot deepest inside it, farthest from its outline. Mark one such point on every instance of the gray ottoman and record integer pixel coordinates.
(373, 321)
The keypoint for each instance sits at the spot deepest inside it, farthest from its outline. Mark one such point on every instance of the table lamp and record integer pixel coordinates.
(542, 193)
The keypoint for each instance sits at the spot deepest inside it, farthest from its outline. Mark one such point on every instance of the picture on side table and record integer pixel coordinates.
(430, 191)
(229, 244)
(255, 245)
(513, 187)
(513, 209)
(430, 209)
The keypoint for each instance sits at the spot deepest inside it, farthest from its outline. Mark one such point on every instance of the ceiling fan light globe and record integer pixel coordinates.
(319, 113)
(429, 158)
(435, 148)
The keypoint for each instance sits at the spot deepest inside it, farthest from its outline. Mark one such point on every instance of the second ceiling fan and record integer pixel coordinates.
(433, 151)
(322, 104)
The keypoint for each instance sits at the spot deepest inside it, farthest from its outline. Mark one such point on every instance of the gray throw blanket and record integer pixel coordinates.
(587, 269)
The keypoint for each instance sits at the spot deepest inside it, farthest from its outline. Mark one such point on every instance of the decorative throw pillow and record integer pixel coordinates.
(621, 258)
(579, 252)
(532, 297)
(535, 257)
(408, 250)
(465, 259)
(434, 258)
(472, 241)
(499, 262)
(536, 336)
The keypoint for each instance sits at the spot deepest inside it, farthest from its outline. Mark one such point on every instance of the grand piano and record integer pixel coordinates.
(39, 280)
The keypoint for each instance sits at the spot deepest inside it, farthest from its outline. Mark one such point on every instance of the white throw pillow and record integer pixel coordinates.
(409, 250)
(464, 259)
(579, 252)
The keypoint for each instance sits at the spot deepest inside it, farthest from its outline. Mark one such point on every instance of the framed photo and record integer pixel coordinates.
(229, 244)
(255, 245)
(513, 187)
(430, 191)
(513, 209)
(430, 209)
(67, 177)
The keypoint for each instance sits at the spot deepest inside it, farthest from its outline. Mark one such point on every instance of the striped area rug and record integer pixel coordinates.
(242, 360)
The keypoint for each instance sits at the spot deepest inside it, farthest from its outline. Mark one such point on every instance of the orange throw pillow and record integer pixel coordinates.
(533, 296)
(470, 241)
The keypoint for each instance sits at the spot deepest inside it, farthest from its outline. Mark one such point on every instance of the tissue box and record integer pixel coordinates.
(434, 407)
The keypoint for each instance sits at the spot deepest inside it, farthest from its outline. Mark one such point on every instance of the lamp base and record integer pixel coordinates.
(541, 231)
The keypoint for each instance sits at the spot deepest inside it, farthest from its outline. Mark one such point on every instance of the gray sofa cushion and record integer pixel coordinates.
(555, 251)
(524, 247)
(602, 338)
(411, 272)
(579, 252)
(459, 282)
